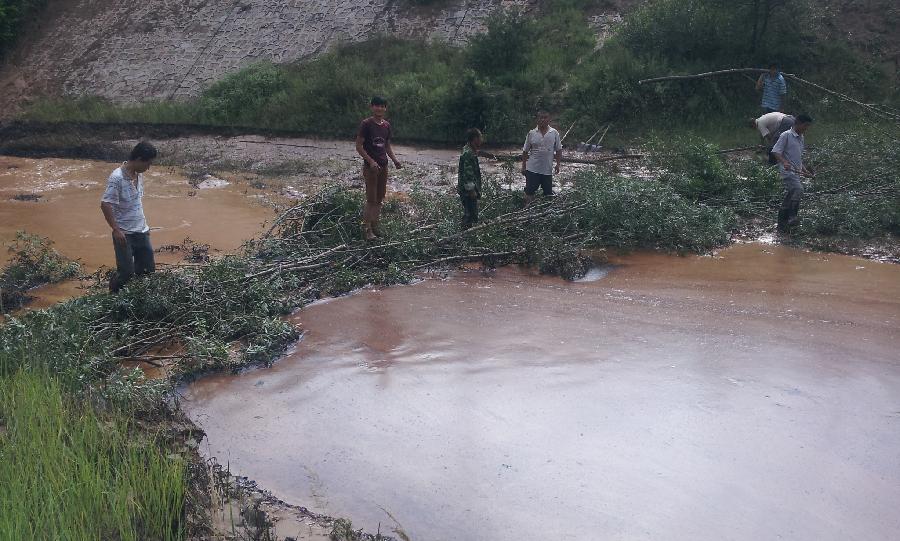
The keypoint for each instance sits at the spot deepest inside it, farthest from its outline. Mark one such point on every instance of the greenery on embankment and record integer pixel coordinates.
(499, 79)
(855, 196)
(68, 472)
(14, 15)
(34, 262)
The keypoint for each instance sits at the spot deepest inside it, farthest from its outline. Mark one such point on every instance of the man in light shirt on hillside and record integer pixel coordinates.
(542, 145)
(123, 207)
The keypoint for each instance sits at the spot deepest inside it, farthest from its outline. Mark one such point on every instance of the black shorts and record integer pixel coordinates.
(535, 180)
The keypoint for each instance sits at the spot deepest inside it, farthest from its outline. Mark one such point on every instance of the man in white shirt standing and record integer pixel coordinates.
(123, 208)
(542, 145)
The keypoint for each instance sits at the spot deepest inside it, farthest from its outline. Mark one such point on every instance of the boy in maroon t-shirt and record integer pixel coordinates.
(373, 143)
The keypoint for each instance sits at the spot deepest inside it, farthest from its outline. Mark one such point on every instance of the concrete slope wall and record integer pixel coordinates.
(160, 49)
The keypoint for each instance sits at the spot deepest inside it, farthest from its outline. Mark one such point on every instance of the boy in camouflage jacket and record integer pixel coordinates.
(469, 185)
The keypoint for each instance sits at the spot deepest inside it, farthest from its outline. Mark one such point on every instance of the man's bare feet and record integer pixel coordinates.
(367, 232)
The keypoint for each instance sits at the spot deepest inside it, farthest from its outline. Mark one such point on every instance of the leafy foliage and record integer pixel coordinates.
(856, 192)
(13, 15)
(34, 262)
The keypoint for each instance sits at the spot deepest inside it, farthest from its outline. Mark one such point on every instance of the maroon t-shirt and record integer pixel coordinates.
(375, 138)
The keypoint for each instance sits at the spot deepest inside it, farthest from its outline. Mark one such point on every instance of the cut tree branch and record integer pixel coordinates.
(791, 76)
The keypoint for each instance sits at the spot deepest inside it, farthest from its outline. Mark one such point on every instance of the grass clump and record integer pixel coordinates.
(34, 262)
(69, 473)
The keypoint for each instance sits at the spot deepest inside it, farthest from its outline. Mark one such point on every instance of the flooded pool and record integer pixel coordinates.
(750, 395)
(60, 199)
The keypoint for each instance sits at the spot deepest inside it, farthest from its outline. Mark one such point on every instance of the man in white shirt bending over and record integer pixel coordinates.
(542, 145)
(770, 127)
(123, 209)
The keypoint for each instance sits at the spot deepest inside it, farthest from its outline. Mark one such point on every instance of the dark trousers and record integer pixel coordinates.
(470, 210)
(134, 257)
(790, 206)
(535, 180)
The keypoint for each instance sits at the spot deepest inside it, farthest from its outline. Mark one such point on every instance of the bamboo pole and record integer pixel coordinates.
(791, 76)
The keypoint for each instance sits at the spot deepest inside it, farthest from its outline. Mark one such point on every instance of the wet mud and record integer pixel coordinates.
(60, 199)
(751, 394)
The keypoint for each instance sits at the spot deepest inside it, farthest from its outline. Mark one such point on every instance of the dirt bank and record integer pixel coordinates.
(751, 394)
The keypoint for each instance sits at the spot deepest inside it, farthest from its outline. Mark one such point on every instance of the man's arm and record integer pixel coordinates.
(390, 153)
(558, 153)
(782, 93)
(118, 234)
(525, 149)
(778, 152)
(362, 152)
(783, 161)
(759, 82)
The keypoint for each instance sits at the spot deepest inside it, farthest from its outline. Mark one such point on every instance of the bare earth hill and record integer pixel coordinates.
(161, 49)
(167, 49)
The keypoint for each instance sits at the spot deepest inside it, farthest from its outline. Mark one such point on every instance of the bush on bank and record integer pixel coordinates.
(14, 15)
(34, 262)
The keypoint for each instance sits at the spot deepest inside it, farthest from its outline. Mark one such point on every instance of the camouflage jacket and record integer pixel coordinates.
(469, 172)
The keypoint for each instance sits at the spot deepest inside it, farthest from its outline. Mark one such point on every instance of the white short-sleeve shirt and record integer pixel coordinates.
(540, 148)
(126, 201)
(769, 122)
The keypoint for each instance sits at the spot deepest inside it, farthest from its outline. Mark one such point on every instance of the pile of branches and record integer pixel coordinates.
(230, 311)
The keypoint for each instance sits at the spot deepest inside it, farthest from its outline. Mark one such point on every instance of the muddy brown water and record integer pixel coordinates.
(753, 394)
(65, 206)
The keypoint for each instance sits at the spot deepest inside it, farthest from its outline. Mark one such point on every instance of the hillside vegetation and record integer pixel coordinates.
(503, 75)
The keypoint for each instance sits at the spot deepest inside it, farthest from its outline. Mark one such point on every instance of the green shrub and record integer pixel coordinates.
(240, 97)
(34, 262)
(856, 192)
(14, 14)
(633, 213)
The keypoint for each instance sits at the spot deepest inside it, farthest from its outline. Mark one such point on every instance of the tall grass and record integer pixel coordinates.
(68, 473)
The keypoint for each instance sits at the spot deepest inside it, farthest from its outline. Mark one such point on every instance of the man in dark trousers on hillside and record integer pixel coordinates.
(469, 185)
(542, 145)
(789, 153)
(373, 144)
(123, 207)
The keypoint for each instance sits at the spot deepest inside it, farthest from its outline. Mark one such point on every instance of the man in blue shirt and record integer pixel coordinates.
(773, 88)
(789, 153)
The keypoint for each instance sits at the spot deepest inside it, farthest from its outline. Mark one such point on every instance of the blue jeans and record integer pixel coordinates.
(134, 257)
